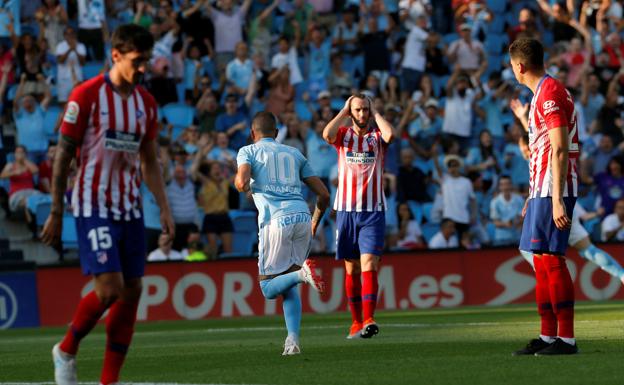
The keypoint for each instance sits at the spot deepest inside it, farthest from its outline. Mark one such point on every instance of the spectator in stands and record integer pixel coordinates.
(375, 46)
(70, 56)
(457, 194)
(192, 69)
(29, 117)
(259, 34)
(220, 152)
(609, 121)
(467, 54)
(470, 241)
(9, 20)
(92, 27)
(515, 164)
(299, 18)
(493, 108)
(20, 174)
(321, 155)
(483, 159)
(228, 25)
(319, 52)
(446, 238)
(340, 82)
(181, 195)
(29, 58)
(194, 252)
(610, 184)
(52, 20)
(411, 181)
(295, 137)
(287, 56)
(560, 14)
(527, 26)
(239, 70)
(346, 42)
(414, 58)
(207, 111)
(596, 160)
(410, 234)
(161, 85)
(45, 170)
(164, 252)
(591, 98)
(506, 213)
(281, 92)
(612, 227)
(425, 127)
(213, 198)
(458, 114)
(234, 121)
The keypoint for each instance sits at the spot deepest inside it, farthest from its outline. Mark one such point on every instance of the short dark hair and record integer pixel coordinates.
(131, 37)
(529, 52)
(264, 122)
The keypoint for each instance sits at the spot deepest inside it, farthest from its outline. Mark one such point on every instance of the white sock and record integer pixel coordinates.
(547, 339)
(569, 341)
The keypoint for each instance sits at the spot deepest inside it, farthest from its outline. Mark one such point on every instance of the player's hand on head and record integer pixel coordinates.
(51, 233)
(346, 109)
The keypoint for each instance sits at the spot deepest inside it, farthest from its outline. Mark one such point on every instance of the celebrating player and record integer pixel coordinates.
(273, 173)
(553, 145)
(112, 121)
(579, 238)
(360, 204)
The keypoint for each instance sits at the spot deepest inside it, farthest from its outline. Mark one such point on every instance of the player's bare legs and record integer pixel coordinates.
(362, 311)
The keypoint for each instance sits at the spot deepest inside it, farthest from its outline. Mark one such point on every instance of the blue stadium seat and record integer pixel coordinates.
(416, 210)
(301, 109)
(429, 230)
(11, 92)
(69, 236)
(245, 234)
(494, 43)
(496, 6)
(490, 228)
(50, 119)
(179, 114)
(495, 63)
(450, 37)
(42, 212)
(496, 25)
(426, 211)
(91, 70)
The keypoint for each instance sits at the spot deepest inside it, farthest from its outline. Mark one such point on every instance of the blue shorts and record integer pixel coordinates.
(539, 233)
(359, 233)
(108, 246)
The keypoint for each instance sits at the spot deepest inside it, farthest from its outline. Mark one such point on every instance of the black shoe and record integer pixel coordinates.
(369, 330)
(558, 347)
(532, 347)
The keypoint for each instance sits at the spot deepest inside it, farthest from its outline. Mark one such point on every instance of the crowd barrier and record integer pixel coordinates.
(47, 296)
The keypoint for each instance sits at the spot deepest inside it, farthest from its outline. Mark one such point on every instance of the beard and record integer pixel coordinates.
(361, 123)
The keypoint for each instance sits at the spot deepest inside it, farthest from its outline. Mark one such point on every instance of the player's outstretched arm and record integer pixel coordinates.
(65, 152)
(322, 199)
(152, 175)
(243, 176)
(330, 132)
(559, 143)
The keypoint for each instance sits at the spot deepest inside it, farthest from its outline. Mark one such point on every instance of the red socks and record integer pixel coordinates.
(542, 297)
(89, 311)
(119, 330)
(353, 289)
(561, 291)
(370, 287)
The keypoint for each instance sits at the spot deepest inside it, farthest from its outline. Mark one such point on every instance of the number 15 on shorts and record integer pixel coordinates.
(100, 238)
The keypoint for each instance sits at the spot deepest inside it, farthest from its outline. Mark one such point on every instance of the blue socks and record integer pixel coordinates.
(286, 285)
(604, 260)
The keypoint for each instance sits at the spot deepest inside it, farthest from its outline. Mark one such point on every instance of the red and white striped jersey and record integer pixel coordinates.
(551, 107)
(110, 131)
(360, 170)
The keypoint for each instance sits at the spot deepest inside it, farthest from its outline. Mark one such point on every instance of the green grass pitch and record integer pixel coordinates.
(442, 346)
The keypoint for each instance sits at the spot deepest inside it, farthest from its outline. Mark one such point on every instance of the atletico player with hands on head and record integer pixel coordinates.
(110, 125)
(360, 135)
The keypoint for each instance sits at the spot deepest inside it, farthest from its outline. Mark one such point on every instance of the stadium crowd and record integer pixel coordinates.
(438, 70)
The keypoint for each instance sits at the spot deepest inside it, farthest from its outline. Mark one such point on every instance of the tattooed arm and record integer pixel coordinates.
(65, 153)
